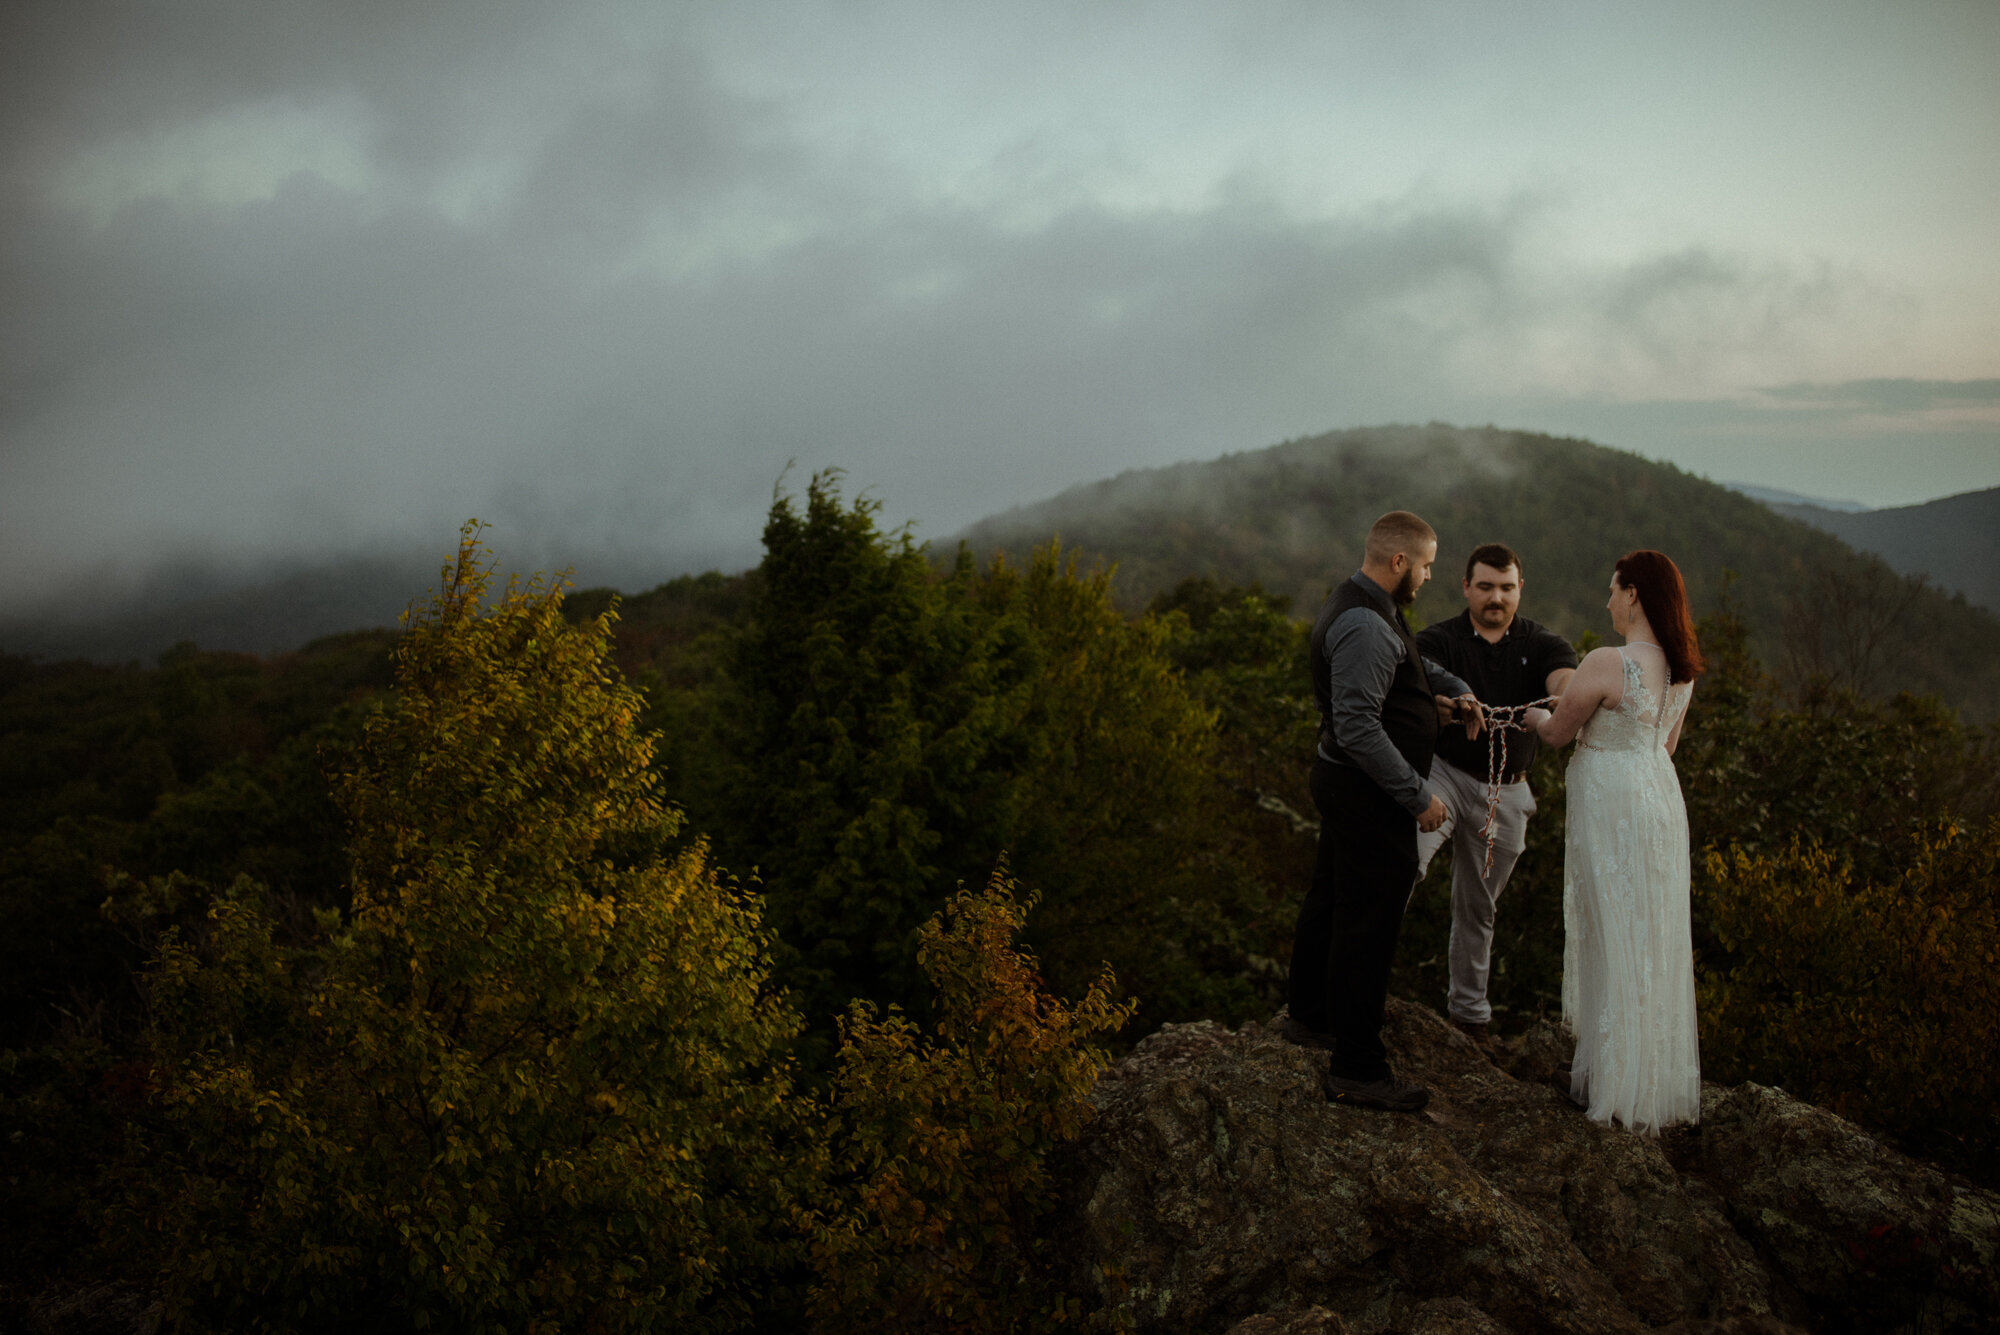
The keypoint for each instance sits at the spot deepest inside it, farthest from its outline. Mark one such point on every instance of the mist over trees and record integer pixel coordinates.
(1290, 519)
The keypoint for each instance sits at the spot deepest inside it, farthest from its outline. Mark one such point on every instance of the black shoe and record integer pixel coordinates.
(1296, 1031)
(1385, 1093)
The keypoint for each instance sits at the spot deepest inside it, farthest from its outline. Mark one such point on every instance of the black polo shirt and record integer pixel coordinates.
(1512, 672)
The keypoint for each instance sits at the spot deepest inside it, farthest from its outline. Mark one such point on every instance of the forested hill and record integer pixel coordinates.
(1954, 539)
(1292, 517)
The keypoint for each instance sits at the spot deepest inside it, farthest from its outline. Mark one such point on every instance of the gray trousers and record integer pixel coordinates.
(1473, 891)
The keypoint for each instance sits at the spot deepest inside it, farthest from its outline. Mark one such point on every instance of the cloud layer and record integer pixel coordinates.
(309, 278)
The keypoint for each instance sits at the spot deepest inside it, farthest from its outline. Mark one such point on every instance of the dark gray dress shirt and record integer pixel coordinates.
(1362, 651)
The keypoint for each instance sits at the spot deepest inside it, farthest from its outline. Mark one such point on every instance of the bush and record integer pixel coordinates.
(1878, 999)
(944, 1140)
(1127, 825)
(531, 1083)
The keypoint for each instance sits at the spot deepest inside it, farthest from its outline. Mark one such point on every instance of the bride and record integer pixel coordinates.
(1628, 957)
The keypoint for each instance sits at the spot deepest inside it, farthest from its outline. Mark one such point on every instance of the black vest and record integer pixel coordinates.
(1409, 712)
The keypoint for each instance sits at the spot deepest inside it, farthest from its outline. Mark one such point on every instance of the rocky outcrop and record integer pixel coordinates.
(1218, 1190)
(1862, 1232)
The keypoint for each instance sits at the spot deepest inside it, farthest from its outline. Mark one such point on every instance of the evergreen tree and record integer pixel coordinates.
(896, 730)
(873, 724)
(1127, 829)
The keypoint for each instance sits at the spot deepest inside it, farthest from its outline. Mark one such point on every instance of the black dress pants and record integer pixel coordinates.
(1346, 937)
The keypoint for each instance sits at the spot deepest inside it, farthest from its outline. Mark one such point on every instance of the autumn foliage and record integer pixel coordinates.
(941, 1140)
(537, 1078)
(1877, 998)
(533, 1081)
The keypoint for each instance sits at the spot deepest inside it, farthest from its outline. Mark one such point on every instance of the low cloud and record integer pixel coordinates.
(1893, 396)
(569, 280)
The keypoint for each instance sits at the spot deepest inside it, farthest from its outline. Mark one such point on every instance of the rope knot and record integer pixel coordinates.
(1501, 720)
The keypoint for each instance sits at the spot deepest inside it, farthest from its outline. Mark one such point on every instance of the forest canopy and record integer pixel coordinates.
(725, 955)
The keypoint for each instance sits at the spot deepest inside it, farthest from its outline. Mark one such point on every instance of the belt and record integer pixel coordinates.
(1515, 777)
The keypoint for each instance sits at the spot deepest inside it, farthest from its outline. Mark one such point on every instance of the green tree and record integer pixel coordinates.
(1867, 777)
(533, 1081)
(208, 764)
(1244, 659)
(871, 722)
(894, 729)
(1127, 822)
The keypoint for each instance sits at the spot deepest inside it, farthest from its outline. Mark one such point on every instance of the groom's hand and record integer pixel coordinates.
(1462, 709)
(1434, 815)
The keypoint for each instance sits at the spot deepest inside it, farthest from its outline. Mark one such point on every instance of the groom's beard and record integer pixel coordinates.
(1405, 591)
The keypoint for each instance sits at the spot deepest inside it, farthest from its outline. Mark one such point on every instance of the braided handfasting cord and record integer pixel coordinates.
(1500, 720)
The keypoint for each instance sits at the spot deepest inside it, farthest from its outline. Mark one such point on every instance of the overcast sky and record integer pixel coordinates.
(296, 278)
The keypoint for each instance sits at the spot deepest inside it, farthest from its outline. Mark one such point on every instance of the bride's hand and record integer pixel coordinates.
(1535, 718)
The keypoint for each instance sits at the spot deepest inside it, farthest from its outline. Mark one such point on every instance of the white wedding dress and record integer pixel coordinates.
(1628, 954)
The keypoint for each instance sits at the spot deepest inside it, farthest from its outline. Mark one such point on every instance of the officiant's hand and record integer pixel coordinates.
(1434, 815)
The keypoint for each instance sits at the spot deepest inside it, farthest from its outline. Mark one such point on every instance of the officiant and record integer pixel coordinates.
(1507, 660)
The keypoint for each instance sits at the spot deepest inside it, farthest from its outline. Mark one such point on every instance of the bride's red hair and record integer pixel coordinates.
(1664, 597)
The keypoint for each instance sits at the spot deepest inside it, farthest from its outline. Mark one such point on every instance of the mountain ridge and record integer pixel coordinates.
(1955, 540)
(1776, 496)
(1291, 517)
(280, 612)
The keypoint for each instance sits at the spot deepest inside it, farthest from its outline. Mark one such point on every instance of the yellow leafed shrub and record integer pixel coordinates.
(534, 1082)
(1880, 1001)
(942, 1139)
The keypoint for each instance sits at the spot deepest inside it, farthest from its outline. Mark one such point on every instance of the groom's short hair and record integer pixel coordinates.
(1397, 531)
(1496, 554)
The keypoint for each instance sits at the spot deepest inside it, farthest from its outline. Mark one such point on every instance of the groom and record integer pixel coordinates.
(1380, 707)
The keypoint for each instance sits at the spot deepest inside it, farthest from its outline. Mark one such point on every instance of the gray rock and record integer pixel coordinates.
(1873, 1240)
(1218, 1189)
(97, 1309)
(1307, 1321)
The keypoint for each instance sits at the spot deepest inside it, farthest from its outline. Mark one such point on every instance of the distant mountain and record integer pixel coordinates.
(1292, 518)
(260, 617)
(233, 610)
(1774, 496)
(1955, 541)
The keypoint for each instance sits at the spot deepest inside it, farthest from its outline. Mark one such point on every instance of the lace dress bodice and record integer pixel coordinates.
(1636, 724)
(1628, 953)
